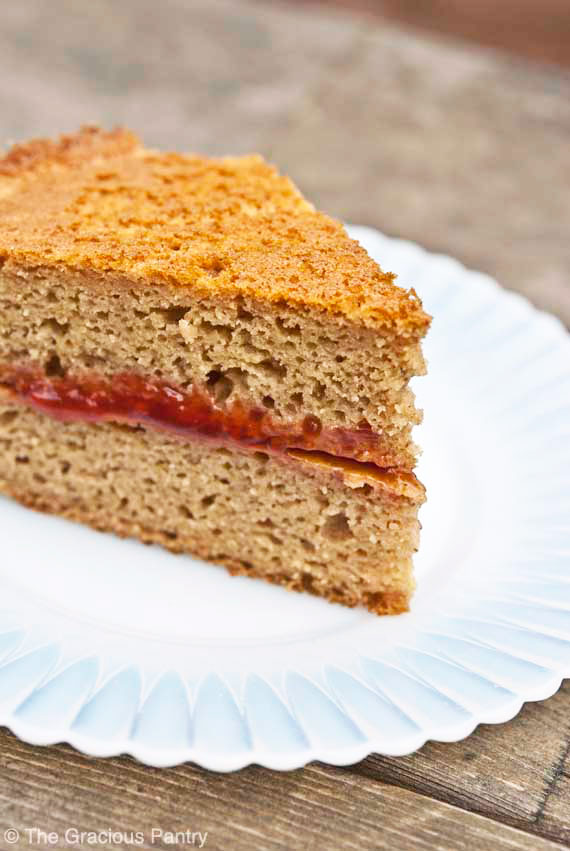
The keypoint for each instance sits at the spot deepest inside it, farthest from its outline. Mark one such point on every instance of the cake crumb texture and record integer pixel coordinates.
(272, 358)
(296, 525)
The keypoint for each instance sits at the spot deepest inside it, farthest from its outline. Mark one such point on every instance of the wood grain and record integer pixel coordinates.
(507, 772)
(314, 808)
(554, 816)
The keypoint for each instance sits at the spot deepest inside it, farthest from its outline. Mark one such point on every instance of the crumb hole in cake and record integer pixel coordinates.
(22, 459)
(288, 330)
(267, 522)
(212, 331)
(172, 315)
(318, 391)
(242, 313)
(340, 358)
(307, 545)
(219, 386)
(337, 528)
(361, 553)
(51, 297)
(297, 399)
(207, 501)
(239, 377)
(185, 512)
(273, 368)
(307, 581)
(53, 367)
(8, 417)
(261, 457)
(172, 536)
(58, 329)
(340, 416)
(268, 402)
(65, 467)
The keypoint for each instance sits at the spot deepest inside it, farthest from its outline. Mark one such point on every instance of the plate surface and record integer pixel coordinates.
(116, 647)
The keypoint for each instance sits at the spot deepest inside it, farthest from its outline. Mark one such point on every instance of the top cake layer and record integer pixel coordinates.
(232, 226)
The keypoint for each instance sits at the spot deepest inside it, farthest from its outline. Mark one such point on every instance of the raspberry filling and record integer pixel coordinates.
(131, 398)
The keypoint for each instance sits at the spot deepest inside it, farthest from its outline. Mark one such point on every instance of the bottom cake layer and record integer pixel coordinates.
(287, 520)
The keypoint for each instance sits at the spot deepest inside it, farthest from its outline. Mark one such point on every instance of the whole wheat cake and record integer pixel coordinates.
(192, 355)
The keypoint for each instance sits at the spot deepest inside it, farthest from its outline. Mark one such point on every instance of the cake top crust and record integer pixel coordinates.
(99, 201)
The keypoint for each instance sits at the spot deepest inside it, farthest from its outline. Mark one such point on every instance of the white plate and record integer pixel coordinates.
(116, 647)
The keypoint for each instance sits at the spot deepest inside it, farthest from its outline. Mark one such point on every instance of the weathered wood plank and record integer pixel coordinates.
(554, 818)
(504, 771)
(318, 807)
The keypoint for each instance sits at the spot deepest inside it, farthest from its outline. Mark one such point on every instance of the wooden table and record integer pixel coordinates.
(461, 149)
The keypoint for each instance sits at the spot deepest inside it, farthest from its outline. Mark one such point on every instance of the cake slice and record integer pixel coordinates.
(190, 354)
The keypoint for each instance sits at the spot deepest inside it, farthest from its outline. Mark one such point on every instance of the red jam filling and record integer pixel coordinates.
(131, 398)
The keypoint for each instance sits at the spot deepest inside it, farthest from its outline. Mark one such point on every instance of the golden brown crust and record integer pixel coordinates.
(231, 226)
(87, 143)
